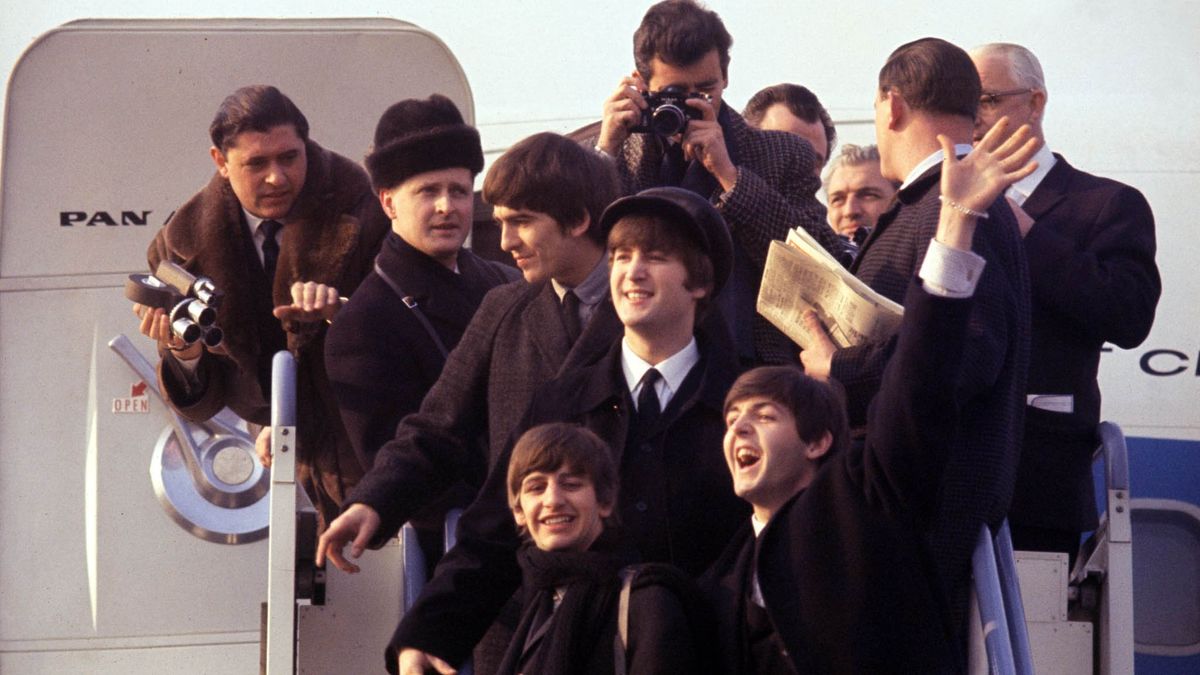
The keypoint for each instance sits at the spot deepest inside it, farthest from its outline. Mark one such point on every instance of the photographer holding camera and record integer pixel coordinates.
(762, 182)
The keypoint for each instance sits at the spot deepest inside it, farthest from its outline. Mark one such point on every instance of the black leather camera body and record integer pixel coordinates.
(667, 113)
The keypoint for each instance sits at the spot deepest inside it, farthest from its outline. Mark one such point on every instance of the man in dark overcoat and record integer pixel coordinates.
(284, 229)
(833, 573)
(1090, 245)
(389, 343)
(929, 88)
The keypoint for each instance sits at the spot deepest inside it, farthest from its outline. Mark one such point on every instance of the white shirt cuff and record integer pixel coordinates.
(949, 272)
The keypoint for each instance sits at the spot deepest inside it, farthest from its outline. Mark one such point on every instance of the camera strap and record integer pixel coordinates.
(411, 303)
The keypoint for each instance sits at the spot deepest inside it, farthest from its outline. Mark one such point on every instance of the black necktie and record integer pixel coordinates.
(270, 246)
(649, 408)
(570, 313)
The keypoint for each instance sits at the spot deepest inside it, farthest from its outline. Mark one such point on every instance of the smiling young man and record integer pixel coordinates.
(834, 574)
(284, 228)
(562, 489)
(389, 343)
(654, 396)
(762, 182)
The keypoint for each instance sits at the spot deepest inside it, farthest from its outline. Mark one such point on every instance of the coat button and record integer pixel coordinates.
(641, 506)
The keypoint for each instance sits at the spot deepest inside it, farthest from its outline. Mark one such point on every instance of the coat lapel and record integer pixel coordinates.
(549, 335)
(1052, 190)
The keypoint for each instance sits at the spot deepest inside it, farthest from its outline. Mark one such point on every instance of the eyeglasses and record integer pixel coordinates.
(990, 99)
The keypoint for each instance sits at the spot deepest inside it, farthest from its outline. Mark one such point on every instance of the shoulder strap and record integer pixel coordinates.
(411, 303)
(621, 639)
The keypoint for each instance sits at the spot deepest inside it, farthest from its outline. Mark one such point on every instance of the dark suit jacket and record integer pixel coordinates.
(1091, 266)
(846, 575)
(381, 359)
(515, 343)
(774, 192)
(978, 481)
(676, 501)
(331, 236)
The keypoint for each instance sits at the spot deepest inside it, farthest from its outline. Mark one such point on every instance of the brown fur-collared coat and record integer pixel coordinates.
(331, 237)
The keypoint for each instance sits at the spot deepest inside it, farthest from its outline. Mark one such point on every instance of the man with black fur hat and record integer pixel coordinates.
(655, 397)
(389, 343)
(284, 228)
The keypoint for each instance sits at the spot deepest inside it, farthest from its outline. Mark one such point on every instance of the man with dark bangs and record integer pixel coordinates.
(762, 182)
(654, 396)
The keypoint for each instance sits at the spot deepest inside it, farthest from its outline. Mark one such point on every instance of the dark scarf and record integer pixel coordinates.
(579, 637)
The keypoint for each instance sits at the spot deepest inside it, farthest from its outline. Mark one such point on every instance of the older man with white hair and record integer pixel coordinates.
(1090, 246)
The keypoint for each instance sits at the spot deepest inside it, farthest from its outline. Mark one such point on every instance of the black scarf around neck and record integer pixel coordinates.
(579, 637)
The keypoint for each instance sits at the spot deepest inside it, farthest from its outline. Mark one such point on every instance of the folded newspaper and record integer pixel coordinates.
(801, 275)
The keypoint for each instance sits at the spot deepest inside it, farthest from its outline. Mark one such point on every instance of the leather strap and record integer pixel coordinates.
(621, 640)
(411, 303)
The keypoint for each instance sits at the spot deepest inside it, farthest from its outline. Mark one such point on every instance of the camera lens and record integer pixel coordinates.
(187, 330)
(668, 120)
(201, 313)
(213, 336)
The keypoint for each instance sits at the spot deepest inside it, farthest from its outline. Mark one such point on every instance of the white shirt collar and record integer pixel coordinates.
(757, 524)
(1020, 190)
(673, 369)
(931, 161)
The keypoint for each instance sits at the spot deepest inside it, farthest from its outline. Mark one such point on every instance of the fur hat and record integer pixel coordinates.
(415, 136)
(688, 210)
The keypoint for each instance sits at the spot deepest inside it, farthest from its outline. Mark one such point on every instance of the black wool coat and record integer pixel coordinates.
(380, 357)
(1094, 280)
(845, 571)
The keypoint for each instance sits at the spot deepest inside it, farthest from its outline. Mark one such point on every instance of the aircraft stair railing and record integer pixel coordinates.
(999, 640)
(1102, 580)
(292, 574)
(414, 565)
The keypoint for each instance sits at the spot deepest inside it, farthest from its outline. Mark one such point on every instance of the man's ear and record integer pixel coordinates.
(1037, 101)
(580, 229)
(606, 510)
(818, 448)
(701, 291)
(218, 158)
(519, 516)
(385, 201)
(895, 107)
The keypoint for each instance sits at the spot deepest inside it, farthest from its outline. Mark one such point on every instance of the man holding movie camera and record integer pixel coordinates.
(283, 230)
(666, 125)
